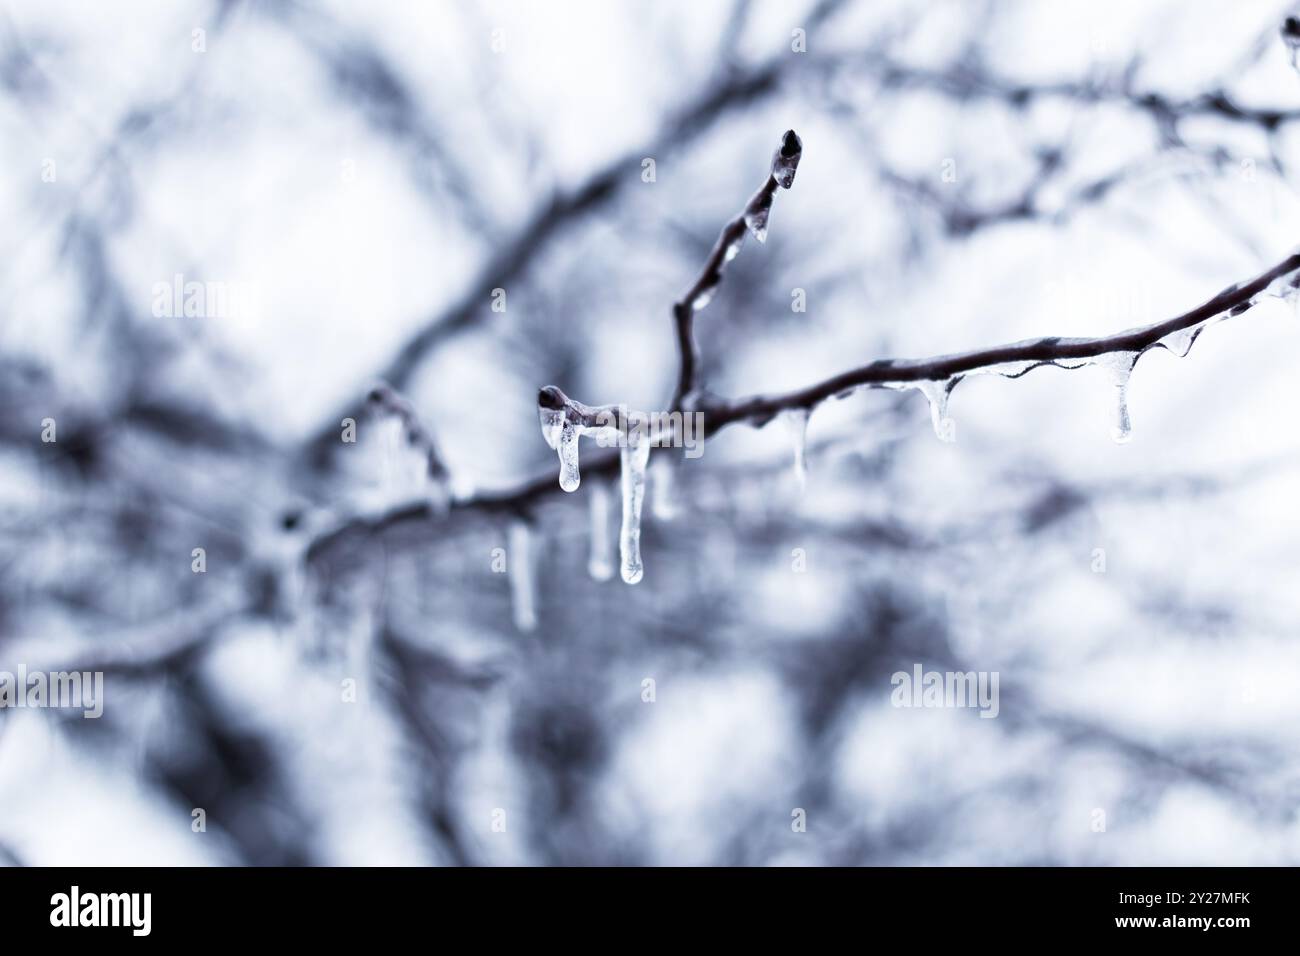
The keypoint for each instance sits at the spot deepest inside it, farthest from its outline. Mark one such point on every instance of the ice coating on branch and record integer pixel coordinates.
(733, 249)
(705, 295)
(663, 504)
(552, 420)
(1119, 368)
(1007, 369)
(796, 420)
(635, 455)
(784, 163)
(756, 214)
(945, 429)
(523, 589)
(599, 563)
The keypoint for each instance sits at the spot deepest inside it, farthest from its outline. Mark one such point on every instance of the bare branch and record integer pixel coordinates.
(733, 91)
(718, 414)
(387, 401)
(785, 161)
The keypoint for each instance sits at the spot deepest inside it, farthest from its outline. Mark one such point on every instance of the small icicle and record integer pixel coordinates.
(663, 503)
(796, 420)
(1180, 341)
(1119, 366)
(522, 585)
(635, 455)
(599, 564)
(937, 393)
(568, 451)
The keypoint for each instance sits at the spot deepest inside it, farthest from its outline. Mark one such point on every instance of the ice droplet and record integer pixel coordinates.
(937, 394)
(568, 450)
(796, 420)
(733, 249)
(599, 564)
(522, 585)
(635, 455)
(1009, 369)
(663, 504)
(1180, 341)
(1119, 367)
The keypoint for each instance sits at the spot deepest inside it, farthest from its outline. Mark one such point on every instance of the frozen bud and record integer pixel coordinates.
(786, 159)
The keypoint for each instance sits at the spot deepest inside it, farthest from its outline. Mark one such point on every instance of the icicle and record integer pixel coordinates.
(1119, 366)
(662, 501)
(568, 450)
(522, 584)
(599, 565)
(796, 420)
(937, 393)
(562, 435)
(635, 454)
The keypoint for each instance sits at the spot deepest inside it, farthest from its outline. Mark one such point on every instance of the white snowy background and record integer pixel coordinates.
(375, 170)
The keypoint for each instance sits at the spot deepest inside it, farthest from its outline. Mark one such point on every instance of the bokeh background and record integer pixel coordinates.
(973, 173)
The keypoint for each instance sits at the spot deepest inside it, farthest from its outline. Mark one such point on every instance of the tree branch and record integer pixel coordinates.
(753, 218)
(1016, 359)
(388, 402)
(733, 91)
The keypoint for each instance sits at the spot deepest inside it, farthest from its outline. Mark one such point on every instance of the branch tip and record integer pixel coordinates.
(550, 397)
